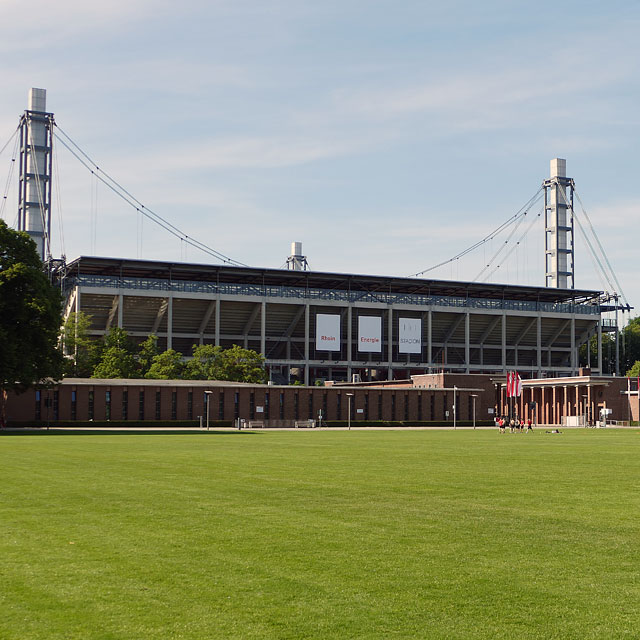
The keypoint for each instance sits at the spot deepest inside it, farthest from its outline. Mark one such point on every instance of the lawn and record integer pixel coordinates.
(360, 534)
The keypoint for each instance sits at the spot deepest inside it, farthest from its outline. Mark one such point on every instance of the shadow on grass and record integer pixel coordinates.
(118, 432)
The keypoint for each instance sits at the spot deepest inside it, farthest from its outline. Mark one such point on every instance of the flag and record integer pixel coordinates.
(517, 391)
(509, 384)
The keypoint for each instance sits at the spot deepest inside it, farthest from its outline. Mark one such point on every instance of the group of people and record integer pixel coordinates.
(515, 425)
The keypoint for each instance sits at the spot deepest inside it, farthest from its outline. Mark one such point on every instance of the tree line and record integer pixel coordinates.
(117, 356)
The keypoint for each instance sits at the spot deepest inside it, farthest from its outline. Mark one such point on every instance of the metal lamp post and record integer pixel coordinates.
(349, 396)
(474, 396)
(207, 395)
(454, 406)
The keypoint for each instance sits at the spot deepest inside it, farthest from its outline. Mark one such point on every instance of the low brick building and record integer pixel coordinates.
(422, 399)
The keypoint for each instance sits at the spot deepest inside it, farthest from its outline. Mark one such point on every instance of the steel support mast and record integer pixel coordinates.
(558, 227)
(36, 159)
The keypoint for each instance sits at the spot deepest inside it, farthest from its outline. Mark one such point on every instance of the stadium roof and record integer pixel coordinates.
(129, 268)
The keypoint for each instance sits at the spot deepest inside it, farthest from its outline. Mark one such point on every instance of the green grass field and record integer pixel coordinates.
(374, 534)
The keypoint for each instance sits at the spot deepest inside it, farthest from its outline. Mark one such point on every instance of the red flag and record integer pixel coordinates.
(509, 384)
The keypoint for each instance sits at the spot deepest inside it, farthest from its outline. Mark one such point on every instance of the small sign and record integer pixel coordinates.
(359, 410)
(490, 411)
(446, 414)
(259, 409)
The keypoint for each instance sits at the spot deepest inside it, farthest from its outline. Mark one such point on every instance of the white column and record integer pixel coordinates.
(539, 345)
(306, 343)
(390, 344)
(120, 310)
(263, 328)
(573, 346)
(217, 321)
(170, 322)
(429, 340)
(504, 342)
(467, 351)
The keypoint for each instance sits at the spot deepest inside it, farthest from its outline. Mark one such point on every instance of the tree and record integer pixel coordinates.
(243, 365)
(82, 352)
(634, 372)
(631, 344)
(235, 364)
(205, 364)
(147, 351)
(117, 359)
(30, 317)
(166, 366)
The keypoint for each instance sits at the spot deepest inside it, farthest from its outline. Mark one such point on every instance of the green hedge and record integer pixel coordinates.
(117, 424)
(407, 423)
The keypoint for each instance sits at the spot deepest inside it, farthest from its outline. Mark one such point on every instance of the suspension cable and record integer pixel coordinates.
(513, 248)
(604, 253)
(8, 142)
(522, 211)
(505, 244)
(133, 202)
(12, 166)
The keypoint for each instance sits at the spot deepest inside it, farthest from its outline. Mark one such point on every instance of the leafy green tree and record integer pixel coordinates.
(117, 359)
(634, 372)
(243, 365)
(631, 344)
(235, 364)
(30, 317)
(205, 364)
(82, 353)
(166, 366)
(147, 351)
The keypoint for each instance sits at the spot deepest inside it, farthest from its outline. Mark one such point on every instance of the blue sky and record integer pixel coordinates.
(386, 136)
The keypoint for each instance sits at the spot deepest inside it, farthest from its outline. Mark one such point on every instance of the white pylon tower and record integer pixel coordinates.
(558, 227)
(296, 261)
(36, 158)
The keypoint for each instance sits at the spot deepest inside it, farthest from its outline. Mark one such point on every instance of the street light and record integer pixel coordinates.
(586, 411)
(349, 396)
(206, 397)
(474, 396)
(454, 405)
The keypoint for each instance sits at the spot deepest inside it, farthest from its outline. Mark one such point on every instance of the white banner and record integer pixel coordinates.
(409, 335)
(369, 334)
(327, 332)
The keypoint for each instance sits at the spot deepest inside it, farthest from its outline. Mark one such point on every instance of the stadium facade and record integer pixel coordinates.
(312, 325)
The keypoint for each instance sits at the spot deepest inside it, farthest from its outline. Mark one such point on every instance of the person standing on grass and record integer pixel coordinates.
(512, 425)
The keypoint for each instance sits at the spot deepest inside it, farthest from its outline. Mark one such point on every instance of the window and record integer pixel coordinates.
(158, 405)
(296, 406)
(56, 405)
(74, 404)
(190, 405)
(236, 405)
(125, 404)
(366, 406)
(90, 407)
(174, 405)
(419, 405)
(107, 405)
(433, 407)
(444, 405)
(339, 407)
(325, 405)
(282, 405)
(266, 405)
(380, 406)
(310, 405)
(393, 406)
(141, 405)
(221, 406)
(406, 406)
(38, 411)
(252, 406)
